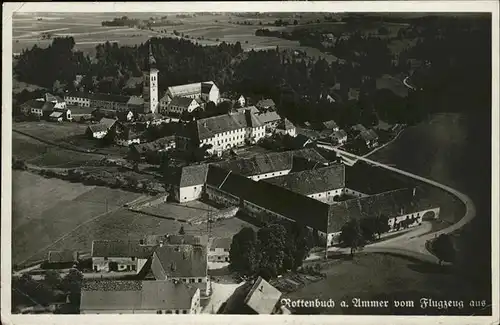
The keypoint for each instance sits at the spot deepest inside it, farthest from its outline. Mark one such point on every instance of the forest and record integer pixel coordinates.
(456, 52)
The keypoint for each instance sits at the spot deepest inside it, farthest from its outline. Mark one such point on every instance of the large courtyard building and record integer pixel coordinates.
(206, 91)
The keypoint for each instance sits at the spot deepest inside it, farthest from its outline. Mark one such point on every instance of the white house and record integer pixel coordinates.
(138, 297)
(241, 101)
(230, 130)
(183, 263)
(339, 137)
(99, 131)
(190, 184)
(119, 255)
(78, 98)
(218, 250)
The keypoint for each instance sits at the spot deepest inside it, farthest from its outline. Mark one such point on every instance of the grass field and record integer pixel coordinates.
(391, 277)
(57, 132)
(43, 210)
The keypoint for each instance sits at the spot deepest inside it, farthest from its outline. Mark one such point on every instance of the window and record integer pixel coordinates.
(184, 311)
(192, 280)
(105, 258)
(133, 258)
(176, 311)
(199, 280)
(159, 312)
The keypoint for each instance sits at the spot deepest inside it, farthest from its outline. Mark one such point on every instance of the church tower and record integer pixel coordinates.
(150, 85)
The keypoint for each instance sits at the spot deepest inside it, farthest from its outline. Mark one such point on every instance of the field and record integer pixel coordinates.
(43, 210)
(394, 84)
(393, 278)
(51, 214)
(88, 32)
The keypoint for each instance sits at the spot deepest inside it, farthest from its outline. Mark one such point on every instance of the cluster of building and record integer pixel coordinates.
(293, 185)
(173, 273)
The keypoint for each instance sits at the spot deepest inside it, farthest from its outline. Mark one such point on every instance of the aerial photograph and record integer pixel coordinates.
(333, 163)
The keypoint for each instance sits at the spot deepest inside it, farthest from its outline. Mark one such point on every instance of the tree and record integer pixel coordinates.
(381, 224)
(182, 231)
(72, 282)
(244, 254)
(444, 248)
(273, 247)
(351, 235)
(368, 225)
(53, 279)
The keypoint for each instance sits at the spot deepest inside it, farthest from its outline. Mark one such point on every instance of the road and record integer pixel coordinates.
(415, 246)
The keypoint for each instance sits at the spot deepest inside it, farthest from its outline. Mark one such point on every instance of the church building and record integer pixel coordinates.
(150, 86)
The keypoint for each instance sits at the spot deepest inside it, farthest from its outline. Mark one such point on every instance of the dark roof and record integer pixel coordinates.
(176, 239)
(274, 198)
(312, 181)
(77, 110)
(391, 203)
(120, 248)
(309, 154)
(65, 256)
(259, 164)
(181, 101)
(98, 127)
(110, 98)
(221, 242)
(209, 127)
(193, 175)
(301, 140)
(109, 122)
(33, 103)
(77, 94)
(206, 87)
(268, 117)
(135, 100)
(117, 295)
(370, 180)
(181, 261)
(330, 124)
(339, 134)
(262, 297)
(369, 135)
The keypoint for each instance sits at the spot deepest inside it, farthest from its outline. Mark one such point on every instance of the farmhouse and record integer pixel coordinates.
(119, 255)
(230, 130)
(79, 113)
(331, 125)
(135, 104)
(175, 239)
(182, 263)
(270, 119)
(62, 258)
(127, 137)
(219, 249)
(286, 127)
(339, 137)
(100, 130)
(138, 297)
(370, 138)
(139, 151)
(125, 116)
(241, 101)
(37, 107)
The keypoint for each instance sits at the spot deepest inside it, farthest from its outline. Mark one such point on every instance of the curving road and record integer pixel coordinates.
(415, 246)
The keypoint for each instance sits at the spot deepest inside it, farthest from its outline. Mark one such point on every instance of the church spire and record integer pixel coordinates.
(152, 61)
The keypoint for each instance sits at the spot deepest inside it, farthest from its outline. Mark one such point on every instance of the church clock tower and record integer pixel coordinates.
(150, 87)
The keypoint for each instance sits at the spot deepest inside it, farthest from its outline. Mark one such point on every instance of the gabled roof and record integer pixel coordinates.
(135, 100)
(64, 256)
(268, 117)
(189, 89)
(181, 101)
(391, 203)
(330, 124)
(98, 128)
(309, 182)
(181, 261)
(209, 127)
(116, 295)
(193, 175)
(176, 239)
(262, 297)
(206, 87)
(109, 122)
(221, 242)
(56, 114)
(33, 103)
(109, 98)
(120, 248)
(369, 135)
(340, 134)
(156, 145)
(259, 164)
(359, 127)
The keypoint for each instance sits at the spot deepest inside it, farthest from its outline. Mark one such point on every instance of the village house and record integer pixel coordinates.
(119, 255)
(64, 258)
(127, 137)
(59, 115)
(368, 135)
(241, 101)
(125, 116)
(79, 113)
(255, 297)
(189, 182)
(228, 131)
(286, 127)
(38, 107)
(331, 125)
(175, 239)
(182, 263)
(178, 105)
(265, 105)
(139, 151)
(135, 104)
(78, 99)
(100, 130)
(138, 297)
(97, 100)
(270, 119)
(219, 249)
